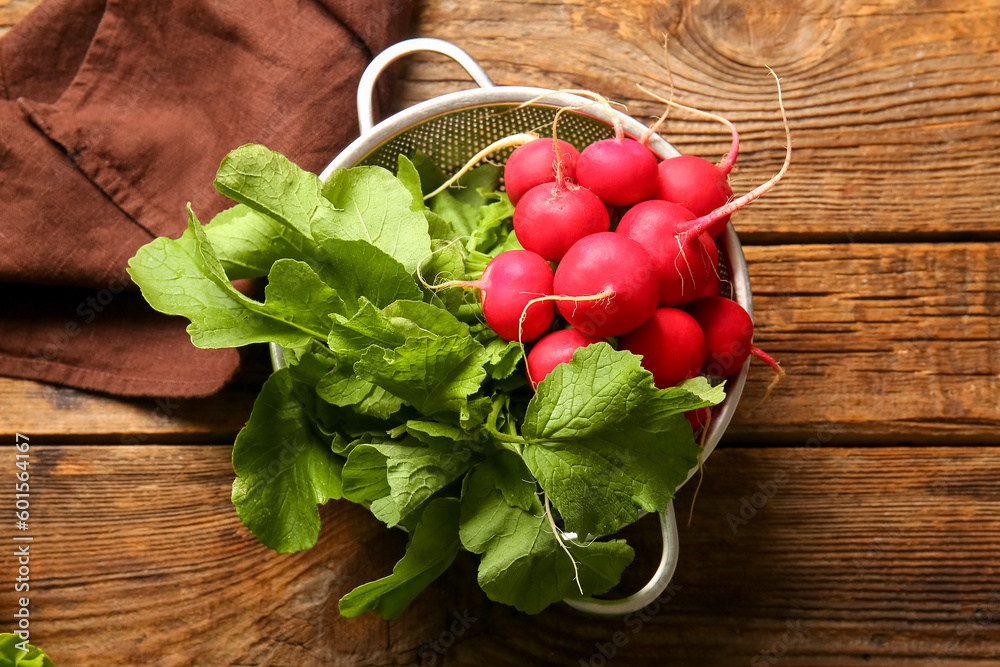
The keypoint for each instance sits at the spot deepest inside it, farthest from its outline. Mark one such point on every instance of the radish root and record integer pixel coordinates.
(701, 465)
(560, 175)
(420, 275)
(559, 539)
(666, 112)
(616, 121)
(606, 294)
(498, 145)
(779, 373)
(726, 166)
(699, 225)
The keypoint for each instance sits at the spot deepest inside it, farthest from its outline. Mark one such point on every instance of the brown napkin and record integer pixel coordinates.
(113, 115)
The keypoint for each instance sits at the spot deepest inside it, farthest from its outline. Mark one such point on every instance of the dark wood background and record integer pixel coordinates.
(874, 267)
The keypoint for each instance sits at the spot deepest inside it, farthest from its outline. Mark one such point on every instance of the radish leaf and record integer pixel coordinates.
(430, 552)
(605, 443)
(370, 204)
(281, 462)
(522, 564)
(184, 277)
(401, 476)
(272, 184)
(432, 375)
(248, 242)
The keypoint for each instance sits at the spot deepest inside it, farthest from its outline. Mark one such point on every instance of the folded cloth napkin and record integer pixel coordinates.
(114, 114)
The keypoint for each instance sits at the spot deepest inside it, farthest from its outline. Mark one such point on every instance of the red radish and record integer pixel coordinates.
(510, 283)
(672, 346)
(685, 265)
(534, 163)
(697, 184)
(669, 218)
(621, 171)
(556, 348)
(694, 182)
(605, 285)
(728, 336)
(551, 217)
(710, 221)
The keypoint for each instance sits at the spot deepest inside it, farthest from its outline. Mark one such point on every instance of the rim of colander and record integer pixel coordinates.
(406, 119)
(421, 112)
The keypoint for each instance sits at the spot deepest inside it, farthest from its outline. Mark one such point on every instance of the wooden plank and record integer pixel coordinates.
(881, 343)
(894, 114)
(893, 111)
(48, 412)
(823, 556)
(887, 343)
(12, 11)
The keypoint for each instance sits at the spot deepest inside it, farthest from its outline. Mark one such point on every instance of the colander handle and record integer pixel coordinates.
(366, 88)
(657, 584)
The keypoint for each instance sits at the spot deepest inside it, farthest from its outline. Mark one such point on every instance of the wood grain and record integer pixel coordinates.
(894, 106)
(48, 412)
(881, 343)
(874, 267)
(887, 343)
(833, 556)
(12, 11)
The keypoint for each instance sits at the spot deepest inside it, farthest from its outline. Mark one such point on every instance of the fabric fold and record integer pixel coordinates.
(117, 113)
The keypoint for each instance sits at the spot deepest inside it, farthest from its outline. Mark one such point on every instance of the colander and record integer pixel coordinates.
(452, 128)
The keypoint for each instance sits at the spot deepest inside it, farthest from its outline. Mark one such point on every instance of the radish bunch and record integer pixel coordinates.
(652, 283)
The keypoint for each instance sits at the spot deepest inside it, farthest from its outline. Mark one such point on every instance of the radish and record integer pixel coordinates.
(605, 285)
(535, 163)
(685, 265)
(671, 344)
(509, 282)
(697, 184)
(555, 348)
(551, 217)
(728, 336)
(509, 287)
(555, 214)
(621, 171)
(711, 221)
(694, 182)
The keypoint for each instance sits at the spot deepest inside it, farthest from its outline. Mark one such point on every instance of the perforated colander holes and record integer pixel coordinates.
(725, 275)
(451, 139)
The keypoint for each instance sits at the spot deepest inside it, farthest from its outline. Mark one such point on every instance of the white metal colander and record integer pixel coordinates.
(451, 129)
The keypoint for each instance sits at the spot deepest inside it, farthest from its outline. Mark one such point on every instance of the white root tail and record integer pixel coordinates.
(498, 145)
(654, 128)
(606, 294)
(559, 539)
(608, 105)
(729, 161)
(699, 225)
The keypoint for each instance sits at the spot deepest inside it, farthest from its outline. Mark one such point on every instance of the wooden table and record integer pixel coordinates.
(854, 519)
